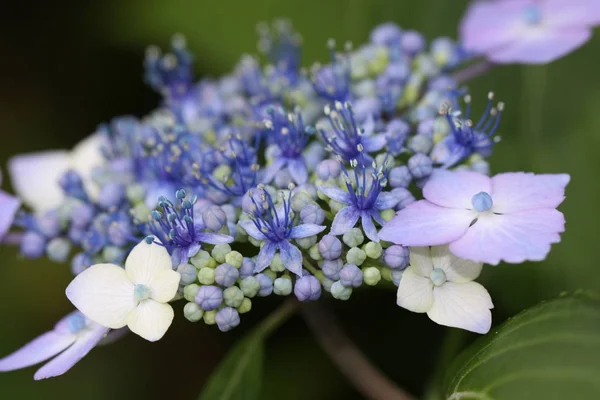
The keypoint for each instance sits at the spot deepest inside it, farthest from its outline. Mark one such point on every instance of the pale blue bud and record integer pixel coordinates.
(353, 238)
(312, 214)
(330, 247)
(420, 165)
(307, 288)
(250, 286)
(420, 144)
(282, 286)
(332, 268)
(356, 256)
(226, 275)
(328, 169)
(351, 276)
(266, 285)
(400, 177)
(247, 268)
(214, 218)
(233, 296)
(188, 273)
(396, 257)
(192, 312)
(227, 318)
(209, 297)
(58, 250)
(340, 292)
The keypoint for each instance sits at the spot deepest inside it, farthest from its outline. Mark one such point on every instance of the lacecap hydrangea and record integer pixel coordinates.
(279, 180)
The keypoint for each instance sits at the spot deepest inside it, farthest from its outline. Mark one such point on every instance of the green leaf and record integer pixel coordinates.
(551, 351)
(239, 376)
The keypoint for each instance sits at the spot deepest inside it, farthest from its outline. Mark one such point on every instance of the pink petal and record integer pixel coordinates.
(488, 25)
(425, 224)
(513, 238)
(541, 46)
(519, 191)
(455, 189)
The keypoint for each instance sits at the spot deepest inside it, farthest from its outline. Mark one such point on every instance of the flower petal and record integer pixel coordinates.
(297, 169)
(9, 205)
(421, 260)
(571, 14)
(369, 227)
(335, 193)
(344, 220)
(251, 229)
(386, 200)
(35, 178)
(306, 230)
(104, 294)
(66, 360)
(424, 224)
(272, 170)
(518, 191)
(213, 238)
(415, 293)
(513, 238)
(151, 320)
(373, 143)
(291, 257)
(146, 261)
(462, 305)
(458, 270)
(455, 189)
(85, 157)
(164, 285)
(265, 256)
(39, 349)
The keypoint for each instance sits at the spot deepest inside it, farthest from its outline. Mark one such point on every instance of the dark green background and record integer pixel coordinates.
(68, 66)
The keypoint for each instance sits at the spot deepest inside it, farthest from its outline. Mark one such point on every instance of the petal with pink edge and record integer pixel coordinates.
(455, 189)
(425, 224)
(518, 191)
(513, 238)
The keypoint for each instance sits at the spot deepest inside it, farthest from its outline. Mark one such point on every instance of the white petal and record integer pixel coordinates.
(35, 178)
(457, 270)
(151, 320)
(146, 261)
(462, 305)
(164, 286)
(104, 294)
(86, 156)
(420, 260)
(415, 293)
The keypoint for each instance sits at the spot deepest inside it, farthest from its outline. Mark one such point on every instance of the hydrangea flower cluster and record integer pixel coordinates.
(276, 180)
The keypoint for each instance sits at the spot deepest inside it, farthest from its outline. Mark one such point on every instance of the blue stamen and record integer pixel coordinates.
(532, 14)
(482, 201)
(76, 322)
(141, 292)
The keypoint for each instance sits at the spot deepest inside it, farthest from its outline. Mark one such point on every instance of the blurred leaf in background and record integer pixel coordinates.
(71, 65)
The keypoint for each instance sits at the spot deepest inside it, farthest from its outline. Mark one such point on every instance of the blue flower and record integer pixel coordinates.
(289, 136)
(364, 199)
(465, 139)
(282, 46)
(347, 139)
(178, 230)
(332, 82)
(276, 227)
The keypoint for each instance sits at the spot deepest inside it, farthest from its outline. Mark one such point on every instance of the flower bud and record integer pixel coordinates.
(220, 251)
(203, 260)
(277, 264)
(351, 276)
(209, 297)
(420, 144)
(396, 257)
(135, 193)
(188, 273)
(227, 318)
(266, 285)
(80, 263)
(353, 238)
(111, 195)
(400, 177)
(234, 258)
(340, 292)
(114, 254)
(206, 276)
(330, 247)
(226, 275)
(246, 306)
(282, 286)
(312, 214)
(58, 250)
(314, 253)
(250, 286)
(404, 197)
(356, 256)
(190, 292)
(307, 288)
(327, 283)
(233, 296)
(214, 218)
(192, 312)
(373, 250)
(301, 200)
(397, 276)
(328, 169)
(371, 276)
(307, 242)
(247, 268)
(209, 317)
(331, 268)
(420, 165)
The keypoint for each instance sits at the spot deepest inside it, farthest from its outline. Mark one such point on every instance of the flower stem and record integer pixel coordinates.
(365, 377)
(277, 318)
(473, 71)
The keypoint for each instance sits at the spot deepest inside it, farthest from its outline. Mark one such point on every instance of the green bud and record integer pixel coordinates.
(136, 193)
(233, 296)
(222, 172)
(250, 286)
(441, 127)
(193, 312)
(300, 200)
(234, 258)
(210, 317)
(141, 213)
(203, 260)
(277, 264)
(282, 286)
(206, 276)
(387, 215)
(356, 256)
(373, 250)
(190, 292)
(307, 242)
(386, 274)
(245, 306)
(336, 206)
(188, 273)
(255, 242)
(371, 276)
(340, 292)
(314, 253)
(354, 237)
(220, 251)
(378, 63)
(326, 282)
(270, 274)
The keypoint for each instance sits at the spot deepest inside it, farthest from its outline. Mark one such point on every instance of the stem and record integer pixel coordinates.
(277, 318)
(473, 71)
(308, 265)
(365, 377)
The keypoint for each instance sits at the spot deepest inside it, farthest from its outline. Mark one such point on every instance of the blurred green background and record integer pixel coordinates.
(69, 65)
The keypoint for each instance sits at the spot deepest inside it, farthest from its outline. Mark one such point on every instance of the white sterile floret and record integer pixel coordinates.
(135, 296)
(440, 284)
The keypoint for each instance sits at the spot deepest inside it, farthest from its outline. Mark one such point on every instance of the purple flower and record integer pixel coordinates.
(364, 200)
(180, 232)
(528, 31)
(465, 138)
(332, 82)
(9, 205)
(289, 136)
(346, 139)
(511, 217)
(71, 339)
(275, 225)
